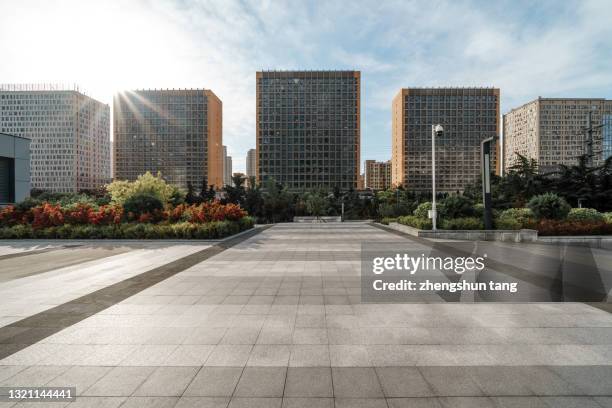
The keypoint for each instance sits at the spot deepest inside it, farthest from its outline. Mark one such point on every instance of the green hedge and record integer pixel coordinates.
(463, 223)
(183, 230)
(416, 222)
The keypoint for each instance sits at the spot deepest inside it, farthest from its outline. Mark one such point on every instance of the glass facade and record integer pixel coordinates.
(468, 115)
(308, 128)
(162, 131)
(607, 136)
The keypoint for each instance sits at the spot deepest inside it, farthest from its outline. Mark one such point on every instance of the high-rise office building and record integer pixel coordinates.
(308, 128)
(251, 163)
(377, 175)
(468, 115)
(551, 131)
(227, 167)
(69, 132)
(176, 132)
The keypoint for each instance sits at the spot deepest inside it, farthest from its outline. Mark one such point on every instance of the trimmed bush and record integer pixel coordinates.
(585, 214)
(463, 223)
(549, 206)
(387, 220)
(607, 217)
(515, 218)
(415, 222)
(457, 206)
(183, 230)
(422, 210)
(557, 227)
(142, 203)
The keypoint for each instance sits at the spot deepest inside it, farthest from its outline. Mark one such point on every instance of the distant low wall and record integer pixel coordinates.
(523, 235)
(306, 219)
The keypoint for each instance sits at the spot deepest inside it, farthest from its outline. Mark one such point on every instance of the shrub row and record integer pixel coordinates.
(48, 215)
(182, 230)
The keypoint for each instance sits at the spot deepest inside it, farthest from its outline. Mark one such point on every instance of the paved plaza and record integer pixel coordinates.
(275, 319)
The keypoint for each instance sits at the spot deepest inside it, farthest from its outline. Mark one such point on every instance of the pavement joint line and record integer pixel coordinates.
(51, 321)
(509, 270)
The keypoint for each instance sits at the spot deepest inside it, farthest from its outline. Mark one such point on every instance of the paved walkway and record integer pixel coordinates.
(276, 320)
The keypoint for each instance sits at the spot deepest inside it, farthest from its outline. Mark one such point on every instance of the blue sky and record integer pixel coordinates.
(526, 48)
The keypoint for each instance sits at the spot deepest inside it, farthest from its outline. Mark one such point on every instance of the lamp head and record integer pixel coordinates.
(439, 130)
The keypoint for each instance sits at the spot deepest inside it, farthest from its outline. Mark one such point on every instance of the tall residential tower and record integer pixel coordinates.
(69, 132)
(468, 115)
(308, 128)
(177, 132)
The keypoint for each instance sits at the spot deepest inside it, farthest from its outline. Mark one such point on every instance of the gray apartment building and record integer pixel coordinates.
(174, 131)
(70, 134)
(468, 115)
(251, 163)
(14, 168)
(551, 131)
(308, 128)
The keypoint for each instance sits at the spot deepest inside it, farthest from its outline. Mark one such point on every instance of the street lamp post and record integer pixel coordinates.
(436, 130)
(485, 151)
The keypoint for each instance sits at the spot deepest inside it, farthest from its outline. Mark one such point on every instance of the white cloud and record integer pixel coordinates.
(529, 49)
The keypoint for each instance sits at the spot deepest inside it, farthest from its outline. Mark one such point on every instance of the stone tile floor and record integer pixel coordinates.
(276, 321)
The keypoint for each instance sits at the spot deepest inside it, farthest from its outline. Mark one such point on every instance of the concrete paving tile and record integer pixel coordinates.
(167, 381)
(97, 402)
(205, 335)
(310, 320)
(35, 376)
(229, 355)
(80, 377)
(309, 336)
(202, 402)
(308, 403)
(361, 403)
(356, 383)
(189, 355)
(149, 355)
(605, 402)
(261, 382)
(269, 355)
(9, 371)
(150, 402)
(519, 402)
(309, 382)
(214, 382)
(570, 402)
(500, 381)
(466, 402)
(240, 335)
(413, 403)
(590, 380)
(349, 356)
(403, 382)
(309, 356)
(239, 402)
(451, 381)
(275, 336)
(120, 381)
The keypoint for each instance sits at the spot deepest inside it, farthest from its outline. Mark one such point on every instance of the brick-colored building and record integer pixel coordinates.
(177, 132)
(468, 115)
(377, 174)
(308, 128)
